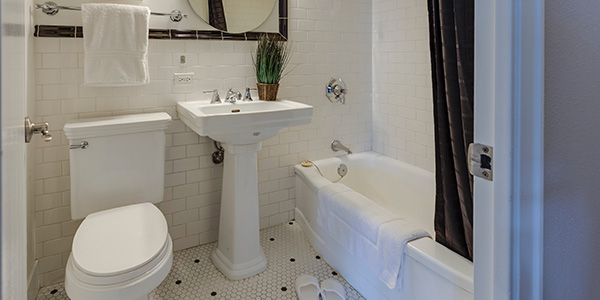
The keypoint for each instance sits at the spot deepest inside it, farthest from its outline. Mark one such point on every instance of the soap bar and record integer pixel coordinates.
(306, 163)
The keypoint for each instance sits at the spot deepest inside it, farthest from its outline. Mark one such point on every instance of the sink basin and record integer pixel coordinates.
(243, 122)
(241, 127)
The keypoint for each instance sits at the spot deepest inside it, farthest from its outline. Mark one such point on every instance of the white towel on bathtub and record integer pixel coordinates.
(375, 236)
(361, 213)
(393, 237)
(115, 39)
(325, 196)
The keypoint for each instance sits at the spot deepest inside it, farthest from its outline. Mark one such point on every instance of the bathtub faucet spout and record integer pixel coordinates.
(337, 146)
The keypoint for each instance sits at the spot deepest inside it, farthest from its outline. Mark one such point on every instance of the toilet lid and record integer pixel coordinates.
(119, 240)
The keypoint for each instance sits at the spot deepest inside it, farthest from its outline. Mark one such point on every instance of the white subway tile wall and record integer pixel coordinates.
(330, 38)
(402, 94)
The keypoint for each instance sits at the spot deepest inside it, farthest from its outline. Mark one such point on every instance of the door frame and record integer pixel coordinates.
(509, 115)
(13, 103)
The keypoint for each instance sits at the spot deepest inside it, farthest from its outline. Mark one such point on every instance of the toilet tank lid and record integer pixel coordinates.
(95, 127)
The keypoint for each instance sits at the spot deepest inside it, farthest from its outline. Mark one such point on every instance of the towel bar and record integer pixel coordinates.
(51, 8)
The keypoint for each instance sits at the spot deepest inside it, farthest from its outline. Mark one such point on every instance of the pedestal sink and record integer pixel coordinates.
(241, 127)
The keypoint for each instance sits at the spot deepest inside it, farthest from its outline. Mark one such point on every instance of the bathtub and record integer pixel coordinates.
(430, 270)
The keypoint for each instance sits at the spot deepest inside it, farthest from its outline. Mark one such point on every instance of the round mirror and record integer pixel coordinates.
(233, 16)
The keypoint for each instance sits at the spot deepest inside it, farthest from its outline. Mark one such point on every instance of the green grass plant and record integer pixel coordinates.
(271, 59)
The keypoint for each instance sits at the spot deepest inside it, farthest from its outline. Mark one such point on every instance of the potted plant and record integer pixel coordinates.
(272, 57)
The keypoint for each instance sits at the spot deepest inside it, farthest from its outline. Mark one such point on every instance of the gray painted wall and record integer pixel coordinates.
(572, 149)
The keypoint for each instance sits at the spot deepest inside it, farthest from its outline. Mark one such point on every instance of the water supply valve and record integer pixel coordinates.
(218, 156)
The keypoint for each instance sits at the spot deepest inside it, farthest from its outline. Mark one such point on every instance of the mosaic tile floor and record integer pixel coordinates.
(193, 276)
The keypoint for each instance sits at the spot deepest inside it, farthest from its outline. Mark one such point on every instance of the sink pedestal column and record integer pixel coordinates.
(239, 254)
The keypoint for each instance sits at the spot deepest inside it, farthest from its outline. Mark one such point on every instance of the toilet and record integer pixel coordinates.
(122, 249)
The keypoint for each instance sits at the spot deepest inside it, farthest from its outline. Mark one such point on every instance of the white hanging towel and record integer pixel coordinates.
(115, 39)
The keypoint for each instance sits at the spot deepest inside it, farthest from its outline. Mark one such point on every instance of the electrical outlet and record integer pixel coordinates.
(184, 78)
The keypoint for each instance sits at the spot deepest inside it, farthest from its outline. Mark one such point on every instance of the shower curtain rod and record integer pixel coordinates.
(51, 8)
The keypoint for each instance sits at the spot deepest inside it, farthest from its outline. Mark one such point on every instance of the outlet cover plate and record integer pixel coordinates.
(183, 78)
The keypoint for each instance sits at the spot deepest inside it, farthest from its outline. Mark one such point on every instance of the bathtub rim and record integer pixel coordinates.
(426, 251)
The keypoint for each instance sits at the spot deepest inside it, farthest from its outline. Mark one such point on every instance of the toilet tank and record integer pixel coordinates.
(122, 164)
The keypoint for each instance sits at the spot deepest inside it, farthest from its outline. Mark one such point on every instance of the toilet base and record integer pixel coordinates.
(239, 271)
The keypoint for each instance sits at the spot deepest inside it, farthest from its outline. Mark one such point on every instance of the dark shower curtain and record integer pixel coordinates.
(216, 15)
(451, 32)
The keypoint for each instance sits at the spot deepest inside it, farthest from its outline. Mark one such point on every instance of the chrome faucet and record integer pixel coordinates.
(215, 96)
(337, 146)
(232, 96)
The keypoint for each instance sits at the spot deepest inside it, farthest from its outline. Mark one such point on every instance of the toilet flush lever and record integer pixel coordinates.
(32, 128)
(82, 145)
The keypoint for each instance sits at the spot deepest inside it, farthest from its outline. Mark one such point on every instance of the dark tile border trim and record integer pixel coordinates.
(66, 31)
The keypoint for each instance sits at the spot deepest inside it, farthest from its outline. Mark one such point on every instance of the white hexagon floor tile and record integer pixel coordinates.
(193, 276)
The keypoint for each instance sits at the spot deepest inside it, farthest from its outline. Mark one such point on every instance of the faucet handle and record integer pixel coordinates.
(215, 96)
(247, 95)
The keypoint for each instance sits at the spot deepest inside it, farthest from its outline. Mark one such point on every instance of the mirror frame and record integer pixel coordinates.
(202, 9)
(65, 31)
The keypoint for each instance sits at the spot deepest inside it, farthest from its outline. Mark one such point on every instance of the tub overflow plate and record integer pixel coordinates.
(342, 170)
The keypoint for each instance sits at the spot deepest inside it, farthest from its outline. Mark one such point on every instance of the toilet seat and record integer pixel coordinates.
(120, 244)
(135, 288)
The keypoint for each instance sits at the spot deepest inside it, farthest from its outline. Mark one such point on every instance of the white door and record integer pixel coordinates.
(509, 63)
(13, 167)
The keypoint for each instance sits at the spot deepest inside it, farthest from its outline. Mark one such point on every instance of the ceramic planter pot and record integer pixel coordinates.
(267, 91)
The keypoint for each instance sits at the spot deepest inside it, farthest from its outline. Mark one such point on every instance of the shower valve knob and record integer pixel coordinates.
(336, 91)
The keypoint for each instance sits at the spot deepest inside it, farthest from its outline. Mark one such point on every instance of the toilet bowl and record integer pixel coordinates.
(121, 253)
(122, 249)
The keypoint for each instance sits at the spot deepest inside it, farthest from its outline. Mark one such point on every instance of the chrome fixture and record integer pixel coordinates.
(232, 96)
(337, 146)
(336, 91)
(342, 170)
(175, 15)
(32, 128)
(215, 96)
(51, 8)
(218, 156)
(82, 145)
(247, 95)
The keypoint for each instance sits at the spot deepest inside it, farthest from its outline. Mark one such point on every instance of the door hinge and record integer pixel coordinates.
(481, 161)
